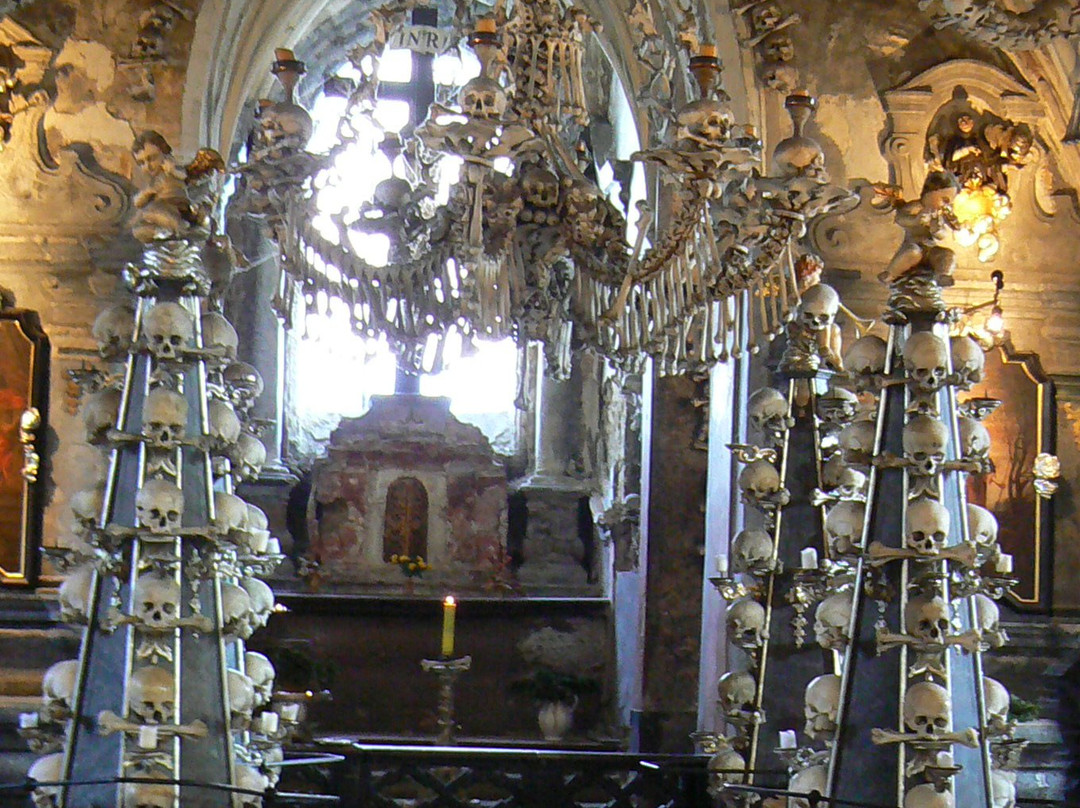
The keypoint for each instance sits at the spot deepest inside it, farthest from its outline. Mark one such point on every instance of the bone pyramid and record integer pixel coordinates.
(162, 556)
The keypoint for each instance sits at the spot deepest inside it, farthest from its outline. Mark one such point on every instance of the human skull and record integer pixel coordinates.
(759, 481)
(927, 796)
(808, 781)
(737, 691)
(149, 795)
(86, 508)
(75, 594)
(927, 526)
(159, 506)
(746, 623)
(924, 445)
(241, 697)
(151, 694)
(842, 480)
(164, 416)
(223, 425)
(928, 619)
(236, 611)
(927, 707)
(155, 601)
(48, 769)
(702, 124)
(249, 779)
(926, 360)
(1002, 790)
(168, 328)
(988, 618)
(821, 704)
(540, 188)
(765, 17)
(230, 515)
(255, 533)
(831, 621)
(857, 441)
(113, 330)
(866, 356)
(285, 126)
(968, 361)
(262, 601)
(58, 689)
(725, 767)
(768, 410)
(261, 671)
(484, 98)
(844, 527)
(249, 456)
(997, 701)
(219, 335)
(750, 550)
(837, 406)
(99, 414)
(245, 384)
(982, 526)
(974, 439)
(818, 307)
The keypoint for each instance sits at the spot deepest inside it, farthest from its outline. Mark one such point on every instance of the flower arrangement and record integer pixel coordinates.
(412, 566)
(546, 685)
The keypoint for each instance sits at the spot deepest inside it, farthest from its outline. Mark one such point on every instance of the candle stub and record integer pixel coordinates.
(722, 564)
(148, 737)
(269, 722)
(808, 558)
(1004, 564)
(787, 739)
(28, 720)
(290, 712)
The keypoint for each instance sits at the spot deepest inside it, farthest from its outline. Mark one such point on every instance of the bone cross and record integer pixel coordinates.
(968, 737)
(819, 497)
(879, 554)
(109, 722)
(970, 641)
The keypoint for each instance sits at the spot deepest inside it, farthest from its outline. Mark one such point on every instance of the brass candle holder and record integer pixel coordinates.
(447, 671)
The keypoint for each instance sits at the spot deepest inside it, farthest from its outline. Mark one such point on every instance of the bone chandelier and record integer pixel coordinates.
(525, 243)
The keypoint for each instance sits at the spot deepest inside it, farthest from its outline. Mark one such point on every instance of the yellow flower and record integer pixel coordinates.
(413, 567)
(394, 558)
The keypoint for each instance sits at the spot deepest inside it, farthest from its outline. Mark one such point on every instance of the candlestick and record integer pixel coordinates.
(448, 614)
(447, 671)
(722, 564)
(808, 558)
(787, 739)
(148, 737)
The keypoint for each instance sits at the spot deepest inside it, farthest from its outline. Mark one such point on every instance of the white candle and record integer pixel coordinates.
(147, 737)
(269, 723)
(259, 540)
(808, 558)
(290, 712)
(28, 720)
(721, 564)
(787, 739)
(273, 547)
(1004, 564)
(945, 760)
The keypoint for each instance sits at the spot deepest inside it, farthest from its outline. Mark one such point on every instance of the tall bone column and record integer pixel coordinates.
(784, 562)
(158, 708)
(914, 705)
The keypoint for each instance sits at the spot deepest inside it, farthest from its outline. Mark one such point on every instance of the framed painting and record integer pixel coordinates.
(24, 377)
(1020, 428)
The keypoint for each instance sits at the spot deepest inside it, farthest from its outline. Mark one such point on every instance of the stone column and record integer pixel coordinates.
(673, 499)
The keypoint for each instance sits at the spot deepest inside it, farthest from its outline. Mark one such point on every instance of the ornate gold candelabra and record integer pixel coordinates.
(447, 671)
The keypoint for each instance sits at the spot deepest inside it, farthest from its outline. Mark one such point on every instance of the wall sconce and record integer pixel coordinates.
(993, 328)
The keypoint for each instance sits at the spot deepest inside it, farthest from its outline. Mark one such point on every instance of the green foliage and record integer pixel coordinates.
(1021, 710)
(547, 685)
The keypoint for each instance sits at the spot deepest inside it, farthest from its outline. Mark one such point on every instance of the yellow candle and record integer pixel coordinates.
(449, 609)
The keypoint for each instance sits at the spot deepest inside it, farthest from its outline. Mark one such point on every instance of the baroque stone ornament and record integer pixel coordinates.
(156, 592)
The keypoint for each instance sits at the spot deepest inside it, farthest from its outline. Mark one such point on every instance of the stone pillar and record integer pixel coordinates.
(673, 499)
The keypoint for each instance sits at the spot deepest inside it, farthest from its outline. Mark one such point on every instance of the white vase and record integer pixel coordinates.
(555, 719)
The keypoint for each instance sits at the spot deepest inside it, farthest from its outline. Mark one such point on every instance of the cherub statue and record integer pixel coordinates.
(1007, 145)
(925, 221)
(161, 205)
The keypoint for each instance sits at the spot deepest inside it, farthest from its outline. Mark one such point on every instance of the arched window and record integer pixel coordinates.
(332, 370)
